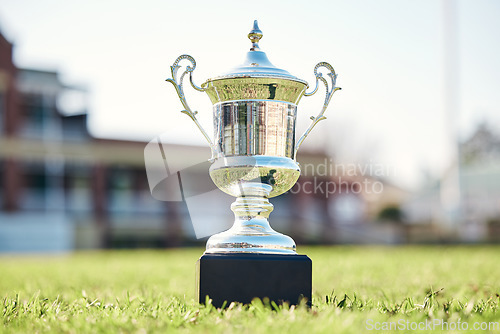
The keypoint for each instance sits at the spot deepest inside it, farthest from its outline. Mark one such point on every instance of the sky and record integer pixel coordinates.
(389, 56)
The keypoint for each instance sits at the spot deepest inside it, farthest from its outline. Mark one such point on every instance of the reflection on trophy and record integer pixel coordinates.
(253, 159)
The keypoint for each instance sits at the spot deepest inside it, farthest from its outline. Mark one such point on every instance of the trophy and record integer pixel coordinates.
(253, 159)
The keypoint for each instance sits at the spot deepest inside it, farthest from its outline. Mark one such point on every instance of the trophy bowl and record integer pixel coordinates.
(254, 146)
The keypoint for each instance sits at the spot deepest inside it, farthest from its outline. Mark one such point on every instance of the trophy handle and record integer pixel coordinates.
(328, 97)
(178, 85)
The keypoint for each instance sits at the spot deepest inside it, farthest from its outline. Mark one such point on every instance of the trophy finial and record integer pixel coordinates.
(255, 35)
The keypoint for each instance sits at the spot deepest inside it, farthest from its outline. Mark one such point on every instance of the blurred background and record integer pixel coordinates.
(411, 144)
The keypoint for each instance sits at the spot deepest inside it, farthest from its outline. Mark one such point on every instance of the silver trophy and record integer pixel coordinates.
(254, 146)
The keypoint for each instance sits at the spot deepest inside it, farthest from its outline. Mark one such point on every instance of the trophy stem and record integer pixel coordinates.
(251, 232)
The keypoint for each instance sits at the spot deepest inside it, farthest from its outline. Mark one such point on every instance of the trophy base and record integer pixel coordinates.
(267, 241)
(241, 277)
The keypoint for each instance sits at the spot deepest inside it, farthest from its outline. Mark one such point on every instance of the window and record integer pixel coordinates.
(34, 190)
(36, 110)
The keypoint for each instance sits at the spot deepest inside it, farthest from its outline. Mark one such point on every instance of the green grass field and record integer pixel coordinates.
(355, 289)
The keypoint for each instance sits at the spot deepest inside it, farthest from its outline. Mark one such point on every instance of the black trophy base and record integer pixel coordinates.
(242, 277)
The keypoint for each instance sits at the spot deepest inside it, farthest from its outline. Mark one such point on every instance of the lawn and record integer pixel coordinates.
(355, 289)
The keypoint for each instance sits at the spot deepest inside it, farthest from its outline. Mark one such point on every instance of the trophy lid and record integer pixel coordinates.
(256, 63)
(256, 78)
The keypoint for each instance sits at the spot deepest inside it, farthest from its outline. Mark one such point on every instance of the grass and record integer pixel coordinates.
(354, 290)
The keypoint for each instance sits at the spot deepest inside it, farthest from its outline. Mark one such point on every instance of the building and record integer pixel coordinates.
(479, 177)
